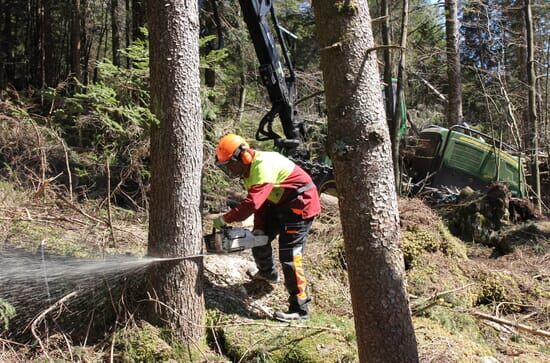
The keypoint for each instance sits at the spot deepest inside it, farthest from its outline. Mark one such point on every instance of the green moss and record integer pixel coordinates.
(497, 287)
(143, 344)
(284, 343)
(455, 322)
(7, 312)
(450, 336)
(451, 245)
(347, 7)
(148, 343)
(416, 240)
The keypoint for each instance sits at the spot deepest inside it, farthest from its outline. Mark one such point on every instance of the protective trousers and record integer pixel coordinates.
(292, 231)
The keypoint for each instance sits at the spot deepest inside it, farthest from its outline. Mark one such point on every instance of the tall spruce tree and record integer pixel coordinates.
(360, 148)
(176, 164)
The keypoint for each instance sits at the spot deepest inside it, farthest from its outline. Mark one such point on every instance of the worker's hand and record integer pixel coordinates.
(219, 223)
(257, 232)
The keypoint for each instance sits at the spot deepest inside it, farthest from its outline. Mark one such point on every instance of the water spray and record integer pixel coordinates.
(42, 245)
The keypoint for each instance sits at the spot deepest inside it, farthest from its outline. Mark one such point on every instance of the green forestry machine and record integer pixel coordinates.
(461, 156)
(458, 156)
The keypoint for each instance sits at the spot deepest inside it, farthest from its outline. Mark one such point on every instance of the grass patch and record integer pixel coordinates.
(446, 337)
(30, 234)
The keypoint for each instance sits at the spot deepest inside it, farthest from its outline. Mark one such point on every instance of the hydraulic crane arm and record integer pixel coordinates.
(279, 78)
(280, 86)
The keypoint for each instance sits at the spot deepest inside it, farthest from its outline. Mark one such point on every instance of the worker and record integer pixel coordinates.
(284, 201)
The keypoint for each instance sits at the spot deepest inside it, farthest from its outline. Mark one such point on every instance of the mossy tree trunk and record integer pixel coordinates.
(360, 148)
(176, 163)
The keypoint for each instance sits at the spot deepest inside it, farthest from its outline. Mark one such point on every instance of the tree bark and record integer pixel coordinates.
(115, 32)
(360, 148)
(127, 30)
(532, 101)
(48, 44)
(454, 106)
(176, 164)
(386, 40)
(399, 115)
(139, 17)
(75, 40)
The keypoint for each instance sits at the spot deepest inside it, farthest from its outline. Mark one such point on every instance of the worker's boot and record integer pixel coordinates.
(298, 310)
(291, 315)
(255, 274)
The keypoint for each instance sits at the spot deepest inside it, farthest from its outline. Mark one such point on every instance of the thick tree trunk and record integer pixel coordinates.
(532, 82)
(75, 39)
(454, 106)
(360, 148)
(176, 164)
(139, 18)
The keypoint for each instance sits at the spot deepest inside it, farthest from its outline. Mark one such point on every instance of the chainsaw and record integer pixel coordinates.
(227, 240)
(233, 239)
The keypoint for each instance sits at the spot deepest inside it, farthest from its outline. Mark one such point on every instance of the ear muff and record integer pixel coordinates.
(242, 154)
(246, 157)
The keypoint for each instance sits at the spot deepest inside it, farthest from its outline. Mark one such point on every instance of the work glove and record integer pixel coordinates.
(219, 223)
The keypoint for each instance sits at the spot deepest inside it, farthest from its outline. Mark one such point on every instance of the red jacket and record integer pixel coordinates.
(272, 179)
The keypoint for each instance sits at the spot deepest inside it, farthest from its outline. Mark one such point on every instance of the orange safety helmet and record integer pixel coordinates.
(232, 147)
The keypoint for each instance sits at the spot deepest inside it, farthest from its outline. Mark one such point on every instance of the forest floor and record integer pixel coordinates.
(466, 303)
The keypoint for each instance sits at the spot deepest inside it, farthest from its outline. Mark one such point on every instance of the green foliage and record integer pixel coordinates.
(7, 312)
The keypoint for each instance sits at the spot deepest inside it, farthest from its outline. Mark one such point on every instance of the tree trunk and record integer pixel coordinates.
(138, 18)
(115, 33)
(75, 40)
(532, 101)
(48, 44)
(399, 115)
(127, 29)
(176, 164)
(454, 106)
(386, 40)
(360, 148)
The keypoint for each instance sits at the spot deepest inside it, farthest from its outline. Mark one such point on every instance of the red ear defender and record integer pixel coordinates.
(246, 157)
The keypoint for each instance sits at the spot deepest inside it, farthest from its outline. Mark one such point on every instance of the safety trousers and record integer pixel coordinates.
(292, 230)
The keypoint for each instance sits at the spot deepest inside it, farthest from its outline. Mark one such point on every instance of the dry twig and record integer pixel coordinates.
(43, 314)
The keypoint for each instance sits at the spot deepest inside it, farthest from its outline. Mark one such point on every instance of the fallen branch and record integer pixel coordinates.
(95, 219)
(43, 314)
(435, 299)
(518, 326)
(79, 210)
